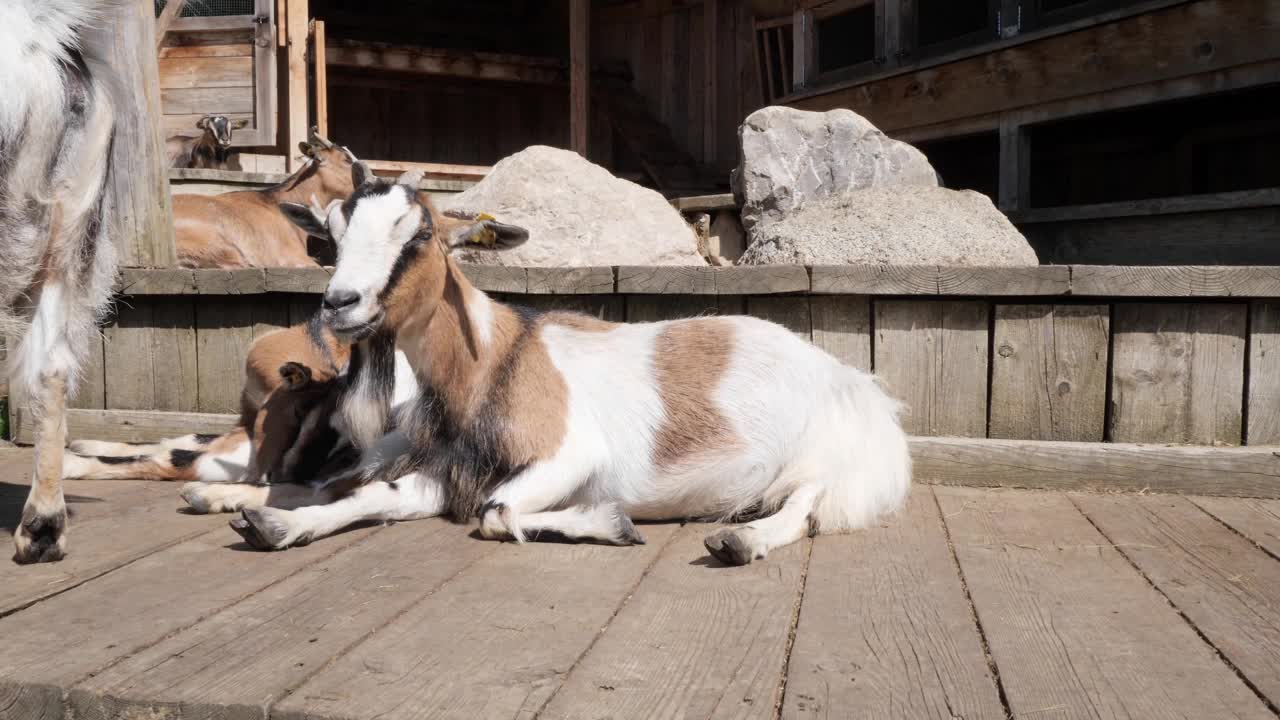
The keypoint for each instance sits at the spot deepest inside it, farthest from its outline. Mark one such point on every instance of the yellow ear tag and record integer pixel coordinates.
(486, 236)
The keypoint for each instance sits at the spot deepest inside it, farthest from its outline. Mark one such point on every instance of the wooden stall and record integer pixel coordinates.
(1063, 376)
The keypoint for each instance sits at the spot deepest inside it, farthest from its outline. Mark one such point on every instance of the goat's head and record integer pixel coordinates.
(292, 435)
(218, 127)
(392, 251)
(332, 166)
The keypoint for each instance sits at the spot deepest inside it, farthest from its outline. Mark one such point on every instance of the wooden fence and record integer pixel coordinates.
(1059, 376)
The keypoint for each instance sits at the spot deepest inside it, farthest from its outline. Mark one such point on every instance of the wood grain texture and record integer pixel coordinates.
(1178, 373)
(1247, 472)
(762, 280)
(138, 188)
(570, 281)
(1255, 518)
(712, 642)
(651, 308)
(605, 307)
(497, 278)
(937, 280)
(191, 72)
(297, 280)
(1179, 281)
(1264, 374)
(885, 630)
(203, 101)
(1242, 237)
(1225, 585)
(579, 75)
(791, 313)
(842, 327)
(93, 380)
(112, 619)
(501, 654)
(150, 356)
(224, 330)
(1049, 372)
(1234, 200)
(297, 15)
(236, 662)
(1082, 634)
(933, 357)
(690, 280)
(128, 425)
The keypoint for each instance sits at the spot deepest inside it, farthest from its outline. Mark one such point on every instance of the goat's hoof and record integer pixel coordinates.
(40, 537)
(626, 533)
(728, 547)
(262, 529)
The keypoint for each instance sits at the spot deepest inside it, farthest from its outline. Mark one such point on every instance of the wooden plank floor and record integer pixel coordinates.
(971, 603)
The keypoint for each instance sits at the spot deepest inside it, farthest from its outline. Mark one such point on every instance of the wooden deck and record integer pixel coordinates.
(972, 603)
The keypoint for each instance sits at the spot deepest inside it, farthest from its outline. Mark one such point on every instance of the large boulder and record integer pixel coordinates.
(789, 157)
(577, 213)
(893, 226)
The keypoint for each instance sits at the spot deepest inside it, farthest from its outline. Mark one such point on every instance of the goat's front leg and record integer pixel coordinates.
(522, 508)
(410, 497)
(41, 535)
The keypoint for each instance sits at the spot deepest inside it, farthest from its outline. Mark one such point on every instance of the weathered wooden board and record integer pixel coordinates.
(933, 357)
(605, 307)
(93, 380)
(842, 327)
(1049, 372)
(940, 280)
(1191, 469)
(1240, 237)
(224, 330)
(651, 308)
(497, 278)
(297, 626)
(1071, 625)
(1175, 281)
(1264, 374)
(133, 607)
(691, 280)
(1255, 518)
(501, 654)
(1222, 583)
(151, 356)
(113, 523)
(711, 642)
(762, 280)
(201, 72)
(791, 313)
(570, 281)
(1178, 373)
(226, 48)
(128, 425)
(886, 630)
(201, 101)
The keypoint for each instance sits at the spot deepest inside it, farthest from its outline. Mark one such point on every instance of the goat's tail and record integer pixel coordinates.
(855, 450)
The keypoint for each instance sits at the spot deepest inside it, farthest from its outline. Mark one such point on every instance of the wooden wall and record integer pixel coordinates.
(203, 74)
(394, 116)
(666, 55)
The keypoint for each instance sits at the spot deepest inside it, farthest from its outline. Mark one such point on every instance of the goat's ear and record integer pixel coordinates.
(203, 123)
(487, 234)
(306, 149)
(305, 219)
(239, 124)
(360, 173)
(295, 375)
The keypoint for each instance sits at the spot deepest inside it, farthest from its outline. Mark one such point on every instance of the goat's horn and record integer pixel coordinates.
(317, 137)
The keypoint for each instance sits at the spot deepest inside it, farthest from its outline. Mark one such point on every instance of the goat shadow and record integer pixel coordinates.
(13, 496)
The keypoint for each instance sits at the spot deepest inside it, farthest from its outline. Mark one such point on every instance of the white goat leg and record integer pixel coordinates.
(521, 508)
(753, 541)
(411, 497)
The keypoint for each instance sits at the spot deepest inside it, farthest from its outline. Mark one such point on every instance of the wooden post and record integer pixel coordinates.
(889, 35)
(322, 77)
(172, 10)
(710, 104)
(1015, 163)
(139, 190)
(579, 74)
(296, 30)
(804, 48)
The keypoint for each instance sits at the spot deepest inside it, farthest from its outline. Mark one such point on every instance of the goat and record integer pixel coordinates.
(246, 228)
(211, 149)
(57, 263)
(565, 425)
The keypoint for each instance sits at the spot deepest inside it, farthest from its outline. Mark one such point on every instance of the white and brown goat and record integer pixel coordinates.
(558, 424)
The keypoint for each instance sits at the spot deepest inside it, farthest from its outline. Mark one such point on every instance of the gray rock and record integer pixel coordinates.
(903, 225)
(788, 157)
(577, 213)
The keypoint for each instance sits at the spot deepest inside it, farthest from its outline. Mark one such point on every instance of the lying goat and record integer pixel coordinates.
(563, 424)
(211, 149)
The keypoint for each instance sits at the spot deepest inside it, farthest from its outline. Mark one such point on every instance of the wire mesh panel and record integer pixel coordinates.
(211, 8)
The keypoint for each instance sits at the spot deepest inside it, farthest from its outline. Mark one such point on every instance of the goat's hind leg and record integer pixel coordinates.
(753, 541)
(520, 510)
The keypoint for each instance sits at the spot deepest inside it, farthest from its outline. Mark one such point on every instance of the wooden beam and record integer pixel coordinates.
(450, 63)
(172, 10)
(1208, 202)
(579, 75)
(1015, 165)
(804, 49)
(710, 73)
(296, 50)
(139, 186)
(441, 171)
(319, 59)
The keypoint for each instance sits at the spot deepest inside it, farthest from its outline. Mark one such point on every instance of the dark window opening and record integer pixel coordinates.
(847, 39)
(947, 21)
(967, 163)
(1209, 144)
(211, 8)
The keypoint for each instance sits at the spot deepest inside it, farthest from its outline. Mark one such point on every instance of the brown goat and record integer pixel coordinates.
(211, 149)
(246, 228)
